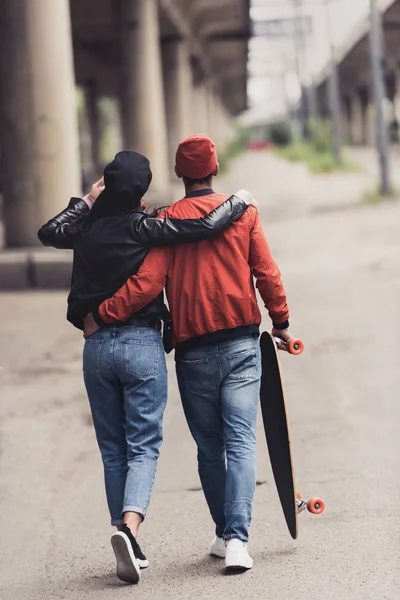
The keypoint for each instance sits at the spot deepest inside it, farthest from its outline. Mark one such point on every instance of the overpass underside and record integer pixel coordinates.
(355, 77)
(171, 67)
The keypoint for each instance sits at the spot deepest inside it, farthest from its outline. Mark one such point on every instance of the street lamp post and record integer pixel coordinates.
(333, 94)
(299, 50)
(382, 138)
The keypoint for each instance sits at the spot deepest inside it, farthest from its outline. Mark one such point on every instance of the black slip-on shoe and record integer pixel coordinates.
(128, 568)
(137, 551)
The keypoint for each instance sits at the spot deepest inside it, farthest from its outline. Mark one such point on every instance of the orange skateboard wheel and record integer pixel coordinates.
(295, 347)
(316, 506)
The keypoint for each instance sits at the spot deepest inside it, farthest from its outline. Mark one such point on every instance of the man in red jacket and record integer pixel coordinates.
(216, 323)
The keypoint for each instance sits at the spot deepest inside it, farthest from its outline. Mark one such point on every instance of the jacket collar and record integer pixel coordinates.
(198, 193)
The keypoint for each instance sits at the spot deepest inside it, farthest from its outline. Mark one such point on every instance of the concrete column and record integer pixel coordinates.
(143, 118)
(218, 116)
(200, 109)
(370, 129)
(346, 110)
(227, 125)
(178, 92)
(363, 93)
(357, 121)
(396, 109)
(40, 158)
(396, 99)
(212, 116)
(92, 99)
(218, 130)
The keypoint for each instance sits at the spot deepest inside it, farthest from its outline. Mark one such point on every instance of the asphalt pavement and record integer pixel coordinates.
(340, 264)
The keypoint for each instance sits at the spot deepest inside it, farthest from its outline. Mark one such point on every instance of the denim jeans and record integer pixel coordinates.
(126, 380)
(220, 386)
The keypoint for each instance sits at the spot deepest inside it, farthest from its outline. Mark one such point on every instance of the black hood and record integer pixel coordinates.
(127, 178)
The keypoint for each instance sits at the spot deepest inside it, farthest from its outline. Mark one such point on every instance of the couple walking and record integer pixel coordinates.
(205, 251)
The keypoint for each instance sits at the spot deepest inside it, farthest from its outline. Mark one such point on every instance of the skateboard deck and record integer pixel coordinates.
(277, 432)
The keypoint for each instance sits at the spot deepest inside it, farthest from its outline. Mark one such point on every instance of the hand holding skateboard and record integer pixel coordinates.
(284, 341)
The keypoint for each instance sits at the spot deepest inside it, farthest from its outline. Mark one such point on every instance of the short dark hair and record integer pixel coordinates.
(202, 181)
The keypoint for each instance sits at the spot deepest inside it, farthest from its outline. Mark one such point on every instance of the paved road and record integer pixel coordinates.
(341, 269)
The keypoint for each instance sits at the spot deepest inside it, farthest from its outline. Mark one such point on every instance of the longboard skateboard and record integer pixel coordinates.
(277, 432)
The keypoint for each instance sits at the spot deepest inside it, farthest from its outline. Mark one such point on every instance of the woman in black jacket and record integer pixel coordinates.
(124, 366)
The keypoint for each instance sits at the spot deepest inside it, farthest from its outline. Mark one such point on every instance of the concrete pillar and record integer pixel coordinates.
(143, 107)
(200, 122)
(38, 129)
(346, 115)
(363, 93)
(370, 129)
(219, 137)
(92, 107)
(212, 112)
(219, 120)
(227, 125)
(396, 109)
(357, 121)
(178, 92)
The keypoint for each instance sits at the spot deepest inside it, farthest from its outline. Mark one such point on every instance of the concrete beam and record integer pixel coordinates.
(185, 30)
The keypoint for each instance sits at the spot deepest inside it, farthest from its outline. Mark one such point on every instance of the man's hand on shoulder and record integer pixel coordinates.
(90, 326)
(247, 197)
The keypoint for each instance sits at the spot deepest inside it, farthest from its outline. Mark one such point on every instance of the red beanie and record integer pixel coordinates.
(196, 157)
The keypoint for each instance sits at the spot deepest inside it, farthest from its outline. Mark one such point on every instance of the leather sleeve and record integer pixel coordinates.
(60, 231)
(152, 232)
(267, 274)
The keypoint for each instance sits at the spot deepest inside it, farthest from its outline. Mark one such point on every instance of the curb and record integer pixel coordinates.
(34, 268)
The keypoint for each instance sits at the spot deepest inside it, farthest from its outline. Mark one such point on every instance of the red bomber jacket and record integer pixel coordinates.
(210, 284)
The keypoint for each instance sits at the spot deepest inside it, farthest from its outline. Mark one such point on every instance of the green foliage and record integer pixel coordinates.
(318, 161)
(316, 153)
(321, 134)
(374, 196)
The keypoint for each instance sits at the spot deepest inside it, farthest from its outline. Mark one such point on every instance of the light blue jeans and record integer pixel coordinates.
(220, 387)
(126, 380)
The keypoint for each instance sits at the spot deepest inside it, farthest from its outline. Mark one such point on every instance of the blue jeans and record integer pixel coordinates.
(220, 386)
(126, 380)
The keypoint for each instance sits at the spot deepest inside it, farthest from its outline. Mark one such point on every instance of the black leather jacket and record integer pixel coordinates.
(109, 250)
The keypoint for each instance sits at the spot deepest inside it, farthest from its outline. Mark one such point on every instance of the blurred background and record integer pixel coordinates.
(302, 98)
(81, 79)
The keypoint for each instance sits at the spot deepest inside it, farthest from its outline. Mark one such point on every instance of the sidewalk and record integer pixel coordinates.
(290, 190)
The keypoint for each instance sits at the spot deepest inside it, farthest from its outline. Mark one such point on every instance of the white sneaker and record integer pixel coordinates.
(237, 556)
(218, 547)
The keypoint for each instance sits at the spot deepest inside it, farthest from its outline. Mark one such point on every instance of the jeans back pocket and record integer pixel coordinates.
(92, 355)
(141, 357)
(245, 364)
(195, 375)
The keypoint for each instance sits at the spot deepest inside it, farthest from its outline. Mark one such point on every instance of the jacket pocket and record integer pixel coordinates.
(245, 364)
(141, 358)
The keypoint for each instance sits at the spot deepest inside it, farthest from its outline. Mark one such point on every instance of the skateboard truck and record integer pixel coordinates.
(314, 505)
